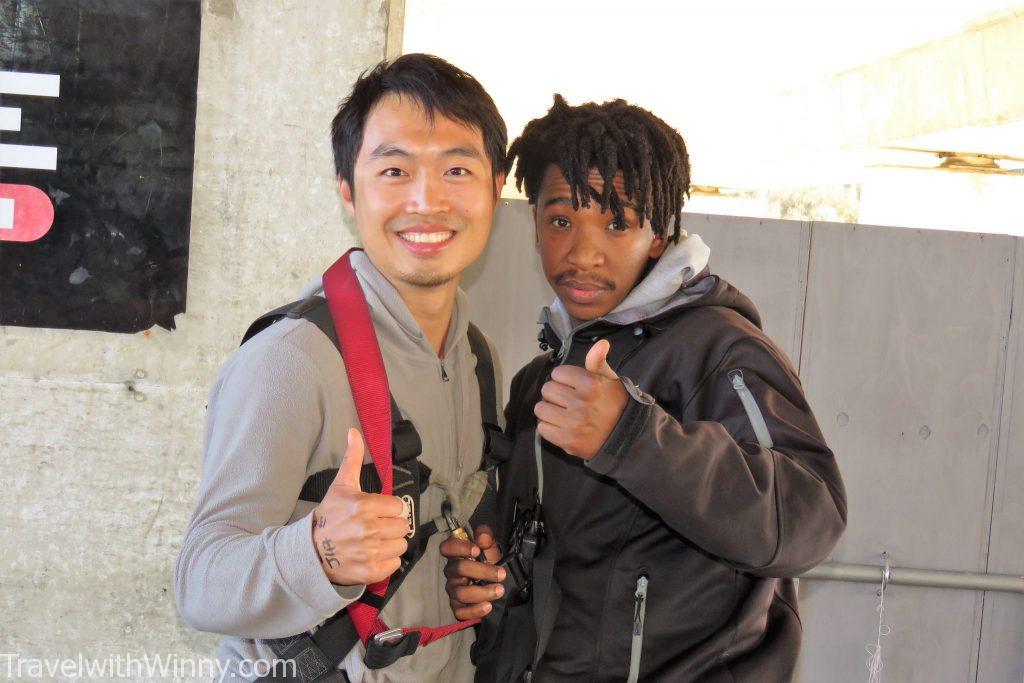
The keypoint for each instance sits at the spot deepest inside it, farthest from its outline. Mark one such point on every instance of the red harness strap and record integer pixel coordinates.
(368, 381)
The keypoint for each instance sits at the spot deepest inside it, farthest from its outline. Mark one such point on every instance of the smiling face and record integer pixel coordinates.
(590, 260)
(424, 194)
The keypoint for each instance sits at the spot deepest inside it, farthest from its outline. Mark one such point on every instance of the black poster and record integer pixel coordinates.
(97, 132)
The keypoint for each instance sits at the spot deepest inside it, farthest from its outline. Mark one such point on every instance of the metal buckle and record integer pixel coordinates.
(389, 637)
(454, 524)
(449, 518)
(409, 512)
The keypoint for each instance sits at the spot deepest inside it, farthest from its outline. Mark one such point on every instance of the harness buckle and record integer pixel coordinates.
(389, 637)
(409, 512)
(387, 647)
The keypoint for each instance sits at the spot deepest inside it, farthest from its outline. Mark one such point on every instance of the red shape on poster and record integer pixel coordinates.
(32, 213)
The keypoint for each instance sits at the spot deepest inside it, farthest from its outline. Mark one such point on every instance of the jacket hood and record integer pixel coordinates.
(680, 279)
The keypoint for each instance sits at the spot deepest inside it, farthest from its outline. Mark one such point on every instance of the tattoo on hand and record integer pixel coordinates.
(321, 523)
(328, 556)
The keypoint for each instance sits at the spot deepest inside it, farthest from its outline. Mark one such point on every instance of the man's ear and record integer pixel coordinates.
(536, 230)
(346, 196)
(499, 182)
(658, 245)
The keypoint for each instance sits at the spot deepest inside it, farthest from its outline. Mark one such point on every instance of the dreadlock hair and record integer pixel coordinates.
(610, 137)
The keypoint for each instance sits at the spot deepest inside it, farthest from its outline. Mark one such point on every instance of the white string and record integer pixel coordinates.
(875, 651)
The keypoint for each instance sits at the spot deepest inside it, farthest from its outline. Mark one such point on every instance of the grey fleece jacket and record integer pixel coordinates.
(278, 412)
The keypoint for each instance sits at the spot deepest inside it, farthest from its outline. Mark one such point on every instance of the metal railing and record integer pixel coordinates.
(870, 573)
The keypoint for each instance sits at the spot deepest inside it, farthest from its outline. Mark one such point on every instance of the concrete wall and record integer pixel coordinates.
(101, 432)
(911, 347)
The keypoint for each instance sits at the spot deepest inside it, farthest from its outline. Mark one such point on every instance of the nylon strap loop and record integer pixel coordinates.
(367, 378)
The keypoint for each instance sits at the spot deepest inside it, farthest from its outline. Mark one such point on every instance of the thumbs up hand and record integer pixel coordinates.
(358, 536)
(580, 406)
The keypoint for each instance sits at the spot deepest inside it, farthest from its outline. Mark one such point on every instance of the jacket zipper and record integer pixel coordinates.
(563, 352)
(751, 408)
(639, 611)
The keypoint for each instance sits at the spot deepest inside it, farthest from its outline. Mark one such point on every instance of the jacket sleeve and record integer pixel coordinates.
(772, 511)
(512, 407)
(243, 569)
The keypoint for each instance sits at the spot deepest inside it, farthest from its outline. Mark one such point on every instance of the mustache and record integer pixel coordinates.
(408, 221)
(574, 275)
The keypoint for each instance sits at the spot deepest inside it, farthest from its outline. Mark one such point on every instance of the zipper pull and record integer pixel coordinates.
(639, 606)
(637, 641)
(750, 407)
(444, 375)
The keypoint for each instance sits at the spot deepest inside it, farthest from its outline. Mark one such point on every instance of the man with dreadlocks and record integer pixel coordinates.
(682, 476)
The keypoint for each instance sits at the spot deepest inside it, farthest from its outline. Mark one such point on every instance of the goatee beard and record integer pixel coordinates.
(426, 280)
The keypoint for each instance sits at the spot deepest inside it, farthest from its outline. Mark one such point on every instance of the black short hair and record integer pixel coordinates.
(610, 137)
(438, 86)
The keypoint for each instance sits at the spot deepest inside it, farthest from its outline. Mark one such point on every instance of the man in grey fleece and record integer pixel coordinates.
(420, 155)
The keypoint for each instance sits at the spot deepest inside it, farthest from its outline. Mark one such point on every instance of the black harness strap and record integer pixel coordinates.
(484, 376)
(316, 656)
(497, 444)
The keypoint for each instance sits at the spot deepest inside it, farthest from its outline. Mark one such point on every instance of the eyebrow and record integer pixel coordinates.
(566, 201)
(386, 150)
(557, 200)
(463, 151)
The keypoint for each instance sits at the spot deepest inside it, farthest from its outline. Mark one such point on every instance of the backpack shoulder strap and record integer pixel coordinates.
(497, 445)
(313, 308)
(484, 375)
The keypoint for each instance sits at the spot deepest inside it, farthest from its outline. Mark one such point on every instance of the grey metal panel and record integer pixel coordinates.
(903, 360)
(931, 638)
(507, 289)
(767, 260)
(1001, 656)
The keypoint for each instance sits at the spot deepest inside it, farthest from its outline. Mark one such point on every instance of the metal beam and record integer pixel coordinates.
(963, 80)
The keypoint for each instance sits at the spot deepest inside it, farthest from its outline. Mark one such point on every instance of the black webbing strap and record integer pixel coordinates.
(546, 598)
(266, 320)
(313, 308)
(497, 445)
(317, 655)
(484, 375)
(405, 447)
(315, 488)
(515, 648)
